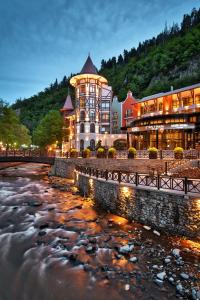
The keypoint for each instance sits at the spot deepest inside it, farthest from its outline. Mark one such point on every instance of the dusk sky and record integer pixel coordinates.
(42, 40)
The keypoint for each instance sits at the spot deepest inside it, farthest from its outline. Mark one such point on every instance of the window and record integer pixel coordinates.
(92, 102)
(82, 128)
(105, 117)
(82, 89)
(128, 112)
(81, 145)
(105, 106)
(92, 128)
(82, 115)
(92, 88)
(92, 115)
(115, 115)
(92, 145)
(160, 106)
(82, 102)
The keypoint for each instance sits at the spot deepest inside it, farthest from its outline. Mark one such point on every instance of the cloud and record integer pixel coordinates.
(42, 39)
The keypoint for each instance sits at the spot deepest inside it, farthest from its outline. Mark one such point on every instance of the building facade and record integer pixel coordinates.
(92, 116)
(165, 120)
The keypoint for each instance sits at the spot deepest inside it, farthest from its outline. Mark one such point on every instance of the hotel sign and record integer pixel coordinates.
(162, 127)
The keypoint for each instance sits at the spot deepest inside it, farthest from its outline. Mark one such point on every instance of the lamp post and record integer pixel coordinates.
(106, 139)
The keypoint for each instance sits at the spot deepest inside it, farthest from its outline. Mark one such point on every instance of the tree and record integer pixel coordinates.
(12, 132)
(49, 130)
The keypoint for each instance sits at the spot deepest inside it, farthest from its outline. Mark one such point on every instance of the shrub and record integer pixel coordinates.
(86, 153)
(73, 152)
(153, 152)
(132, 152)
(178, 150)
(178, 153)
(111, 152)
(101, 152)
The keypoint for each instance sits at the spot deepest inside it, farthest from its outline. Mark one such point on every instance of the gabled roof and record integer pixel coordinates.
(68, 104)
(89, 67)
(130, 96)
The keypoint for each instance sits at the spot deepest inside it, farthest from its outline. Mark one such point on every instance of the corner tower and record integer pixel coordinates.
(93, 102)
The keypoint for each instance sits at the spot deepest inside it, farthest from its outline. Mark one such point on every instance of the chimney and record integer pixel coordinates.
(171, 88)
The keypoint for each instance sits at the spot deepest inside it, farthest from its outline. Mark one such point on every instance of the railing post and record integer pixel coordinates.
(136, 178)
(185, 185)
(165, 167)
(119, 176)
(158, 181)
(106, 174)
(97, 173)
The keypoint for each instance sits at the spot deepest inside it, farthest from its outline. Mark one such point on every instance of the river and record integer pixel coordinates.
(57, 245)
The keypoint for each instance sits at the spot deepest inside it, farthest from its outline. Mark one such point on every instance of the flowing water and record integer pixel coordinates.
(56, 245)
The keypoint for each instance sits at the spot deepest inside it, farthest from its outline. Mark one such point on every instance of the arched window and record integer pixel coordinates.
(92, 115)
(82, 115)
(82, 128)
(92, 144)
(92, 128)
(81, 145)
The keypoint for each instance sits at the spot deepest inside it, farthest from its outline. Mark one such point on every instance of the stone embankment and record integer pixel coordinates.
(165, 210)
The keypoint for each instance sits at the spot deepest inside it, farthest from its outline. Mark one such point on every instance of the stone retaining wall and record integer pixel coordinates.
(165, 211)
(64, 167)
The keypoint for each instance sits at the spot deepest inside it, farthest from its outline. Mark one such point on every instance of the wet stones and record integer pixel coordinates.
(161, 275)
(133, 259)
(126, 249)
(176, 252)
(35, 203)
(184, 276)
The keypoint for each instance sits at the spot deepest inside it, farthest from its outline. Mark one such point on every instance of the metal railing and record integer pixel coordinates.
(164, 182)
(26, 153)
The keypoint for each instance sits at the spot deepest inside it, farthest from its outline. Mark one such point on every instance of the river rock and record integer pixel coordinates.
(158, 282)
(147, 227)
(184, 276)
(179, 289)
(171, 280)
(156, 232)
(176, 252)
(126, 249)
(167, 260)
(127, 287)
(161, 275)
(133, 259)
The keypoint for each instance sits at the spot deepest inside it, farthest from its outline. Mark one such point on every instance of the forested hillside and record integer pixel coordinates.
(170, 59)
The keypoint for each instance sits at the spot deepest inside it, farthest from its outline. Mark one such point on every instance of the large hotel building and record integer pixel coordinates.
(164, 120)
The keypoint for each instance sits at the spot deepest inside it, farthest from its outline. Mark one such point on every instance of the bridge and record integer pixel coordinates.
(34, 156)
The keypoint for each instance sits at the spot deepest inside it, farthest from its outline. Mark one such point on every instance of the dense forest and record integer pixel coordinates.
(170, 59)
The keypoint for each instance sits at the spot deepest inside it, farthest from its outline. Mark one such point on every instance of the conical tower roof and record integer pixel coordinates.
(89, 67)
(68, 104)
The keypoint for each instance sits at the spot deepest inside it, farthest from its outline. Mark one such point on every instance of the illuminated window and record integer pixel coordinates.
(91, 102)
(92, 88)
(105, 117)
(82, 89)
(82, 102)
(92, 115)
(105, 105)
